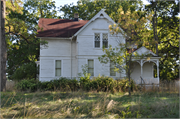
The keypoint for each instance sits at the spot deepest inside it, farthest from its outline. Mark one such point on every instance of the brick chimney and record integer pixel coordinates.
(76, 16)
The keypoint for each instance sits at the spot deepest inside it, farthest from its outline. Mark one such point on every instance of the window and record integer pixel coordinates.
(112, 67)
(91, 67)
(58, 68)
(105, 40)
(97, 40)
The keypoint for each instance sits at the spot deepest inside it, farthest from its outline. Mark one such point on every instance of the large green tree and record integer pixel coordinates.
(21, 29)
(89, 8)
(164, 28)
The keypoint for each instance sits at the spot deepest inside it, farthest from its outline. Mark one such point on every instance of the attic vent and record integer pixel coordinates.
(101, 15)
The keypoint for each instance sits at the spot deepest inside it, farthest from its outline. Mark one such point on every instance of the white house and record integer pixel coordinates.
(73, 43)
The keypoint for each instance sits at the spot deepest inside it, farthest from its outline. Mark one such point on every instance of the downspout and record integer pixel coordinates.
(77, 54)
(77, 61)
(71, 57)
(77, 51)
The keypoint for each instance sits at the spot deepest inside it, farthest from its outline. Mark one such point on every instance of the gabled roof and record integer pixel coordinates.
(63, 28)
(143, 50)
(100, 14)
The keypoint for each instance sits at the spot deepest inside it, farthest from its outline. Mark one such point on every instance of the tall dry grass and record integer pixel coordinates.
(159, 102)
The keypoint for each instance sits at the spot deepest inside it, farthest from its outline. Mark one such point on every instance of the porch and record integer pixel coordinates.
(143, 71)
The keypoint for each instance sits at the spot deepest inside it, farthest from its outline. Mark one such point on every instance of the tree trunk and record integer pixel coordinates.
(129, 74)
(3, 47)
(155, 26)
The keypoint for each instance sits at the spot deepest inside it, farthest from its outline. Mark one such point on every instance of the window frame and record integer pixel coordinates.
(91, 68)
(95, 40)
(101, 39)
(58, 68)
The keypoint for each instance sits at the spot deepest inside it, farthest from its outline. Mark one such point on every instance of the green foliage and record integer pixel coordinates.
(26, 71)
(123, 85)
(88, 9)
(127, 113)
(101, 83)
(62, 84)
(107, 84)
(84, 70)
(27, 85)
(168, 36)
(21, 28)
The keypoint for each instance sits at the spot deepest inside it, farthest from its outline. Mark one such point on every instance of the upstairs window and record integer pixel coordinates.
(97, 40)
(105, 40)
(58, 68)
(112, 67)
(91, 67)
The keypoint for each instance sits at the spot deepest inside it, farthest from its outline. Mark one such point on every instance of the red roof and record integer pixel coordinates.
(59, 27)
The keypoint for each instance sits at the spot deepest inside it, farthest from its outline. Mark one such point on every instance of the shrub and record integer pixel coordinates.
(25, 71)
(62, 84)
(27, 85)
(103, 83)
(85, 83)
(123, 85)
(100, 83)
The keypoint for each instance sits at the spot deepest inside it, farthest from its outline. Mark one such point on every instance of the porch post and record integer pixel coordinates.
(141, 68)
(158, 70)
(152, 70)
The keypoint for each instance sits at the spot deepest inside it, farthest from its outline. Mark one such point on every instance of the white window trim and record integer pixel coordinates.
(94, 40)
(101, 41)
(94, 64)
(55, 68)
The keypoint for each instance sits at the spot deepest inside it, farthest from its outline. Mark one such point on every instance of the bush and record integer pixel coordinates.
(27, 85)
(105, 84)
(85, 83)
(25, 71)
(101, 83)
(62, 84)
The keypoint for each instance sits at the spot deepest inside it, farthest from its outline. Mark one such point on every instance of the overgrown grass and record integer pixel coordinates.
(53, 104)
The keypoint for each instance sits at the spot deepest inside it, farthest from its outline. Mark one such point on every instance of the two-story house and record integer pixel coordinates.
(73, 43)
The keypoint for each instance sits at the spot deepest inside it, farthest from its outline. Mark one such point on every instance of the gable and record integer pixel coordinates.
(102, 22)
(143, 50)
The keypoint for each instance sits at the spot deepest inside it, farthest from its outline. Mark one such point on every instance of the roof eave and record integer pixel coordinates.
(56, 37)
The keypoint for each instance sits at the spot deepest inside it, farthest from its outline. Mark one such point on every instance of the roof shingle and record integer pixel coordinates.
(59, 27)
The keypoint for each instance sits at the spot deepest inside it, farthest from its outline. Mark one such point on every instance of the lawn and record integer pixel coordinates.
(89, 105)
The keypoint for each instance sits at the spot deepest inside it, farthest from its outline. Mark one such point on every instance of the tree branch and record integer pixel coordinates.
(19, 35)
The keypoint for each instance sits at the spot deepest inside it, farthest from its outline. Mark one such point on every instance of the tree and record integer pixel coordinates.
(133, 28)
(88, 9)
(164, 28)
(21, 30)
(3, 47)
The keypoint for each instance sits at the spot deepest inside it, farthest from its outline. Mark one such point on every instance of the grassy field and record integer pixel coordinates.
(89, 105)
